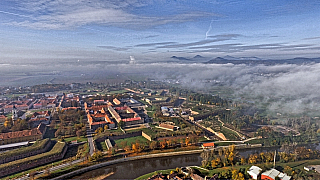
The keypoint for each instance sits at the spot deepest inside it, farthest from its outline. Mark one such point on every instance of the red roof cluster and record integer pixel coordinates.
(17, 134)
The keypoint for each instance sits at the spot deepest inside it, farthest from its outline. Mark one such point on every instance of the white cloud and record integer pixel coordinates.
(58, 14)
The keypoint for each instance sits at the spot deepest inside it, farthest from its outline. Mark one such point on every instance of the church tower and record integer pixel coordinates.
(14, 114)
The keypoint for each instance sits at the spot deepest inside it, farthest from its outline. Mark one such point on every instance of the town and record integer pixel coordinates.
(50, 130)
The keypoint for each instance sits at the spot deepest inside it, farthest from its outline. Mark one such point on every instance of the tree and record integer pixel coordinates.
(187, 141)
(79, 133)
(121, 124)
(214, 163)
(243, 161)
(96, 156)
(134, 147)
(57, 133)
(153, 145)
(106, 127)
(235, 174)
(99, 130)
(240, 176)
(163, 144)
(288, 170)
(8, 123)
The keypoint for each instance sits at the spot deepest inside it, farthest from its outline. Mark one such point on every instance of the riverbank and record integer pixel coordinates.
(108, 163)
(297, 166)
(148, 156)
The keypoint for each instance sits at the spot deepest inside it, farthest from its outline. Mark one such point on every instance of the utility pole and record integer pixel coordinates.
(274, 159)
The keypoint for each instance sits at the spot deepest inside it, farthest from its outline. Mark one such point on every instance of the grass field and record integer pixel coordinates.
(101, 146)
(80, 139)
(131, 140)
(230, 135)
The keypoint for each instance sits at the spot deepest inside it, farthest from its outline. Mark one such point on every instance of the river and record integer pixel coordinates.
(136, 168)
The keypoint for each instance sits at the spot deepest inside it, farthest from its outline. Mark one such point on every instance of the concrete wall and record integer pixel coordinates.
(146, 136)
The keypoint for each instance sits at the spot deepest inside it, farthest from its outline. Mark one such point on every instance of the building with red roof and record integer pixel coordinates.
(208, 145)
(22, 136)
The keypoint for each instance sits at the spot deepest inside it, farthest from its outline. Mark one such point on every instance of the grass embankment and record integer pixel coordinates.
(38, 145)
(83, 149)
(146, 176)
(57, 149)
(230, 135)
(79, 139)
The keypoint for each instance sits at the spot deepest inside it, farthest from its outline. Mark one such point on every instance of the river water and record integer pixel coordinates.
(134, 169)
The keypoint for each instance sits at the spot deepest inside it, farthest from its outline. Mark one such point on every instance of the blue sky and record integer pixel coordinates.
(39, 30)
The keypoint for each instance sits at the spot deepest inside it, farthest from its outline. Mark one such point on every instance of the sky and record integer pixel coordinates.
(154, 30)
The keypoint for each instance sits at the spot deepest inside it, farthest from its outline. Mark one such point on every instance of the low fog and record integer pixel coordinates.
(286, 88)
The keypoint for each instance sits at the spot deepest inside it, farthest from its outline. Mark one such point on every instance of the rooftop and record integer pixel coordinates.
(210, 144)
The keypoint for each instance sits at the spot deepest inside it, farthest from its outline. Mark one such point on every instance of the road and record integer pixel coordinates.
(54, 168)
(90, 140)
(239, 141)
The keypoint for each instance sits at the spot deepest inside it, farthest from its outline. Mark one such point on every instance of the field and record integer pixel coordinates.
(131, 140)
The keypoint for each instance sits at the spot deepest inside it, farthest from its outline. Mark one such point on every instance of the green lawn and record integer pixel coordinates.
(80, 139)
(101, 146)
(131, 140)
(230, 135)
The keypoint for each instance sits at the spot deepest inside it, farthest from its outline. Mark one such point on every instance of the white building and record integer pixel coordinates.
(254, 172)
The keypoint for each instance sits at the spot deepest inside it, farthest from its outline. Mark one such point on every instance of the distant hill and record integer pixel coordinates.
(255, 61)
(198, 57)
(181, 58)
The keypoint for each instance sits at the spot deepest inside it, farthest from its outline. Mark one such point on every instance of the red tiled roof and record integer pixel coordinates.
(99, 115)
(131, 119)
(168, 126)
(121, 108)
(100, 122)
(22, 105)
(38, 119)
(16, 134)
(211, 144)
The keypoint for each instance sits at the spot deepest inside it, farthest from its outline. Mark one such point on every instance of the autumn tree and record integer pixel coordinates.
(99, 130)
(106, 127)
(163, 144)
(153, 145)
(135, 147)
(187, 141)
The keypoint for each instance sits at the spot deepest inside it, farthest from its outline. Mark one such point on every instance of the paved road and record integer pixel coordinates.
(54, 168)
(90, 140)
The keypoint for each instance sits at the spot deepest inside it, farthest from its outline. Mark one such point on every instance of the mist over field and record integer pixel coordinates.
(283, 88)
